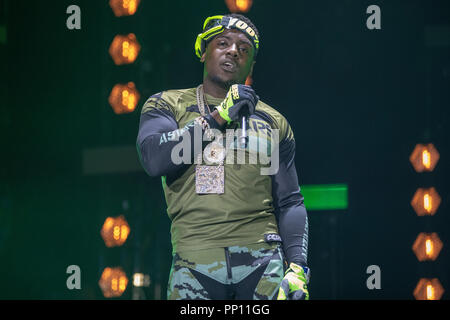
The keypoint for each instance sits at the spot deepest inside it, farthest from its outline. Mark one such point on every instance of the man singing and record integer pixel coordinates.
(237, 232)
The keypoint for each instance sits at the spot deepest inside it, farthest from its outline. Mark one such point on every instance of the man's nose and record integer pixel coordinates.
(232, 50)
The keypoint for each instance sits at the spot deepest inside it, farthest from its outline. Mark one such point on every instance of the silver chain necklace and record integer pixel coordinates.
(209, 179)
(201, 101)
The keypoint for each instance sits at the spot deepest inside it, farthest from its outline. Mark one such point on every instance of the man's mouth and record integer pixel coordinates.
(229, 66)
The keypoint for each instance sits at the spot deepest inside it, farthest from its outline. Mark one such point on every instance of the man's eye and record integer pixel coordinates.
(245, 50)
(222, 43)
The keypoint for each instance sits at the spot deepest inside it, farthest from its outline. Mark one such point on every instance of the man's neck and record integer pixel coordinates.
(214, 89)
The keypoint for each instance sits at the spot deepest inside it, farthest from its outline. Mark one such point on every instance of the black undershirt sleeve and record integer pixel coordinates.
(289, 207)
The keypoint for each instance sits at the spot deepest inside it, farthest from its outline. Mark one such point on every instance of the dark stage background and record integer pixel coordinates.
(358, 101)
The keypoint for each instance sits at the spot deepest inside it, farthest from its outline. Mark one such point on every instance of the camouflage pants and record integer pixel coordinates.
(250, 272)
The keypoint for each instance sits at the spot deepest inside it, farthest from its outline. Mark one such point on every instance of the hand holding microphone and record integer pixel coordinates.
(239, 104)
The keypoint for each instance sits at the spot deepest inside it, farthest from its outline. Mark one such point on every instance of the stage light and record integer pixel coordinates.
(325, 196)
(115, 231)
(124, 98)
(124, 7)
(113, 282)
(428, 289)
(427, 246)
(426, 201)
(241, 6)
(124, 49)
(141, 280)
(424, 157)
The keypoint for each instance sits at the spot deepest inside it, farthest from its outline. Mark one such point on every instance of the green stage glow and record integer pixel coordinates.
(325, 196)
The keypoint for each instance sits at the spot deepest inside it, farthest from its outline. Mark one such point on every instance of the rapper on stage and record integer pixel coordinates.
(237, 232)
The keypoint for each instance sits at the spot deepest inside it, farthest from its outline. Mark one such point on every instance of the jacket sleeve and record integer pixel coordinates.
(289, 207)
(159, 134)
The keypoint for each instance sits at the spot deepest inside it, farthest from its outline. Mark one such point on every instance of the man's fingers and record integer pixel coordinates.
(298, 295)
(283, 293)
(250, 93)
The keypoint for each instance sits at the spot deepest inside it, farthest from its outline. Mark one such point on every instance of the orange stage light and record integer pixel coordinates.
(241, 6)
(428, 289)
(124, 49)
(113, 282)
(124, 7)
(424, 157)
(115, 231)
(124, 98)
(427, 246)
(426, 201)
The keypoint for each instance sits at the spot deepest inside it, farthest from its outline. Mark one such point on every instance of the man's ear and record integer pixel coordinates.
(202, 59)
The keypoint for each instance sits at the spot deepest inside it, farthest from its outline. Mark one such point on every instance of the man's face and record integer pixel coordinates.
(229, 58)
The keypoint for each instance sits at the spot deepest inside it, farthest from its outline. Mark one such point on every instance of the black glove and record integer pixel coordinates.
(240, 101)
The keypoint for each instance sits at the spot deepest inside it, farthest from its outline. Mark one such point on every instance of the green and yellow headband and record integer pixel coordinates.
(216, 24)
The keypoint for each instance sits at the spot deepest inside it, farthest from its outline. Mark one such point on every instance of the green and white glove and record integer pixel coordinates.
(240, 101)
(294, 284)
